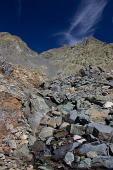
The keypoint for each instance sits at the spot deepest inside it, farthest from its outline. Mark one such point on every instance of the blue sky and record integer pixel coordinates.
(46, 24)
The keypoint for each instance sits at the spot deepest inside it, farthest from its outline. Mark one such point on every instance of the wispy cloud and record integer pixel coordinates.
(85, 20)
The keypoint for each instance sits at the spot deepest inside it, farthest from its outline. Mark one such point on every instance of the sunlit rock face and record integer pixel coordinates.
(70, 59)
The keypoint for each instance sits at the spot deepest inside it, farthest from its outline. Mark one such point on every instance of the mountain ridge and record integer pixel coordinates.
(66, 60)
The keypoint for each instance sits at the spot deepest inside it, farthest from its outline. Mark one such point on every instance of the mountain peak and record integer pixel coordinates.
(93, 40)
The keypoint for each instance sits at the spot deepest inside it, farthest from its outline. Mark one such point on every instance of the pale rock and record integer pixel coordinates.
(24, 137)
(64, 125)
(108, 105)
(46, 132)
(91, 154)
(69, 158)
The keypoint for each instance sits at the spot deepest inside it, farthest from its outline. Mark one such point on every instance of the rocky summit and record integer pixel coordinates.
(56, 119)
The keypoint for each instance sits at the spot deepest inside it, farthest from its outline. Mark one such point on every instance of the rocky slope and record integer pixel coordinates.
(90, 52)
(16, 51)
(61, 123)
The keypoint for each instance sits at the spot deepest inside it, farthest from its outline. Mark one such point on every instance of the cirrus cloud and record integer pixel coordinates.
(85, 20)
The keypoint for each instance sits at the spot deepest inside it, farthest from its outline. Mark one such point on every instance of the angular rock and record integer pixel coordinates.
(60, 153)
(100, 149)
(69, 158)
(45, 168)
(58, 98)
(111, 149)
(66, 108)
(46, 132)
(38, 146)
(82, 119)
(38, 109)
(102, 162)
(85, 164)
(73, 116)
(77, 129)
(108, 105)
(102, 132)
(52, 121)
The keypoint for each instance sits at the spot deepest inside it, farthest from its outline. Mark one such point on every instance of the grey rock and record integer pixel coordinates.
(49, 140)
(3, 167)
(69, 158)
(46, 132)
(1, 155)
(12, 144)
(60, 153)
(58, 98)
(38, 110)
(54, 122)
(23, 152)
(111, 149)
(77, 129)
(45, 168)
(101, 131)
(102, 162)
(83, 119)
(100, 149)
(85, 164)
(73, 116)
(74, 146)
(66, 108)
(31, 140)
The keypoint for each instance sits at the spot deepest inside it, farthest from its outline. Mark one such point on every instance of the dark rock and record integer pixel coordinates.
(60, 153)
(38, 146)
(60, 133)
(90, 138)
(82, 119)
(95, 101)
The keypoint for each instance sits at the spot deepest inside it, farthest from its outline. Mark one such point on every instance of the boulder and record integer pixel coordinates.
(100, 149)
(101, 131)
(77, 129)
(102, 162)
(39, 109)
(46, 132)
